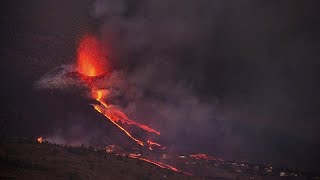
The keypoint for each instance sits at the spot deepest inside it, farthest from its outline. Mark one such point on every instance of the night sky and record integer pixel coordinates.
(238, 78)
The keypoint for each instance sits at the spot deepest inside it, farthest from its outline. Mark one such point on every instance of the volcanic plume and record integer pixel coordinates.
(92, 62)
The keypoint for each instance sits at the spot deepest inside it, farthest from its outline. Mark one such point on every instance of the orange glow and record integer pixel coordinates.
(205, 157)
(159, 164)
(153, 143)
(118, 116)
(40, 139)
(98, 94)
(92, 62)
(98, 108)
(199, 156)
(115, 115)
(92, 59)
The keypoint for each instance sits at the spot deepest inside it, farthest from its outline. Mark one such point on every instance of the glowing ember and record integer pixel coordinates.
(159, 164)
(92, 62)
(153, 143)
(40, 139)
(205, 157)
(91, 57)
(110, 148)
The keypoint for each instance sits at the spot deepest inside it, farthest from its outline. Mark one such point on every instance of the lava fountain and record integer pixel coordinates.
(91, 57)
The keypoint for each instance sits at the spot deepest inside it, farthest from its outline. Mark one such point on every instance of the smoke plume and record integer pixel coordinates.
(238, 78)
(182, 64)
(160, 49)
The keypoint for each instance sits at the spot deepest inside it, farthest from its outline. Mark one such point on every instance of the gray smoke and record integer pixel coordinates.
(176, 59)
(237, 77)
(159, 47)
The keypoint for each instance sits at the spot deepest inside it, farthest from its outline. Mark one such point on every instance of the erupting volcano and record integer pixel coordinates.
(90, 73)
(92, 62)
(93, 75)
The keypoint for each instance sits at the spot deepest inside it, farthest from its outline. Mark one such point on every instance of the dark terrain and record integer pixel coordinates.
(27, 159)
(22, 158)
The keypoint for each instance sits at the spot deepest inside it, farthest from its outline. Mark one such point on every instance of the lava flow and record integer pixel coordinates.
(205, 157)
(153, 143)
(159, 164)
(40, 139)
(92, 62)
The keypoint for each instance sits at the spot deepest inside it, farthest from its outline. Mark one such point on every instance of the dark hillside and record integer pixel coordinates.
(27, 159)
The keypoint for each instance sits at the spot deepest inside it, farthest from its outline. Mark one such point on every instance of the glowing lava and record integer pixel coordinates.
(92, 62)
(116, 116)
(91, 57)
(99, 109)
(40, 139)
(205, 157)
(159, 164)
(153, 143)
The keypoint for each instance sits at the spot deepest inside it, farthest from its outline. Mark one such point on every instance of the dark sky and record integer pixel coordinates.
(248, 70)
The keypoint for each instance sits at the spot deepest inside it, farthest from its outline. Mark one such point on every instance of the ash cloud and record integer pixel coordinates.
(182, 57)
(161, 58)
(239, 78)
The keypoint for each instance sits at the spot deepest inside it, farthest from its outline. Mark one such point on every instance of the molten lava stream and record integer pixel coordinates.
(96, 107)
(153, 143)
(115, 115)
(159, 164)
(118, 115)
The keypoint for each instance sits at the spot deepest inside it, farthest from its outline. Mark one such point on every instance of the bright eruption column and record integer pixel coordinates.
(91, 57)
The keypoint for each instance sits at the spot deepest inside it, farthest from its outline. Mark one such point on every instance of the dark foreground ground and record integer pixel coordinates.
(22, 158)
(28, 159)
